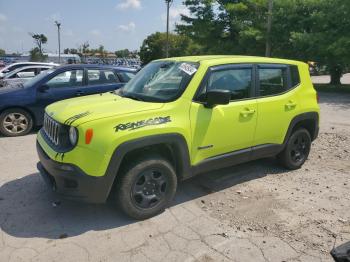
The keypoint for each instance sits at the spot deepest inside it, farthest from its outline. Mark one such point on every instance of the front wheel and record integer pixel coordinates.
(146, 187)
(15, 122)
(297, 149)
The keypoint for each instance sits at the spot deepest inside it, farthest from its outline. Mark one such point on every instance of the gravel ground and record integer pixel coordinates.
(253, 212)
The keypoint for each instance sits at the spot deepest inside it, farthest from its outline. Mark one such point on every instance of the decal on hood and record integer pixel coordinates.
(142, 123)
(74, 118)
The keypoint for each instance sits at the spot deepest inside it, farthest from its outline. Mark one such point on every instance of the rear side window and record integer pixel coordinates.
(294, 75)
(100, 77)
(272, 81)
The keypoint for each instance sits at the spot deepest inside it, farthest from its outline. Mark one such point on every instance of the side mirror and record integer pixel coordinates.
(217, 97)
(43, 88)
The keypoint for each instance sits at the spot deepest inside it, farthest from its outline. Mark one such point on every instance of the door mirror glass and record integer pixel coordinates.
(217, 97)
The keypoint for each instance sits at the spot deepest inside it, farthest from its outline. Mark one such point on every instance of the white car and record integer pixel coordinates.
(23, 74)
(7, 69)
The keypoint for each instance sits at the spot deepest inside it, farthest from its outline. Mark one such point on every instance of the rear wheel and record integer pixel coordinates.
(15, 122)
(146, 187)
(297, 149)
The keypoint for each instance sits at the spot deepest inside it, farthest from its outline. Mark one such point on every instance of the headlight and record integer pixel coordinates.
(73, 135)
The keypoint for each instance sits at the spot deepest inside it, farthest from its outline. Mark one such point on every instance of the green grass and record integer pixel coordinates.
(332, 88)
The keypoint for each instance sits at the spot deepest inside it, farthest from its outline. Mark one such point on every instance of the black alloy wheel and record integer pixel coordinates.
(146, 186)
(297, 149)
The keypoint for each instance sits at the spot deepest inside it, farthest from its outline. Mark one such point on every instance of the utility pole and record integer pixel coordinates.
(168, 3)
(268, 32)
(59, 40)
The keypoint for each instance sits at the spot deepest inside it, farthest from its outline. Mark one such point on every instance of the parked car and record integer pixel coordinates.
(22, 106)
(23, 74)
(11, 67)
(177, 118)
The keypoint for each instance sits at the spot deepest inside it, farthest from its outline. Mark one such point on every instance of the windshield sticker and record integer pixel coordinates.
(72, 119)
(187, 68)
(142, 123)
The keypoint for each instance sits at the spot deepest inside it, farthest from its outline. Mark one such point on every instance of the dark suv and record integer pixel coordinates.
(22, 106)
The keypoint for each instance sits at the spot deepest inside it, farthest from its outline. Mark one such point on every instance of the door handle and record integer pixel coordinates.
(79, 93)
(290, 104)
(246, 112)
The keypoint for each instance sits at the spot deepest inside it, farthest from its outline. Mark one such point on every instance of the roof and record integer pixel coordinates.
(81, 66)
(222, 59)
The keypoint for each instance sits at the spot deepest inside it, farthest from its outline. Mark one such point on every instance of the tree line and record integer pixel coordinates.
(306, 30)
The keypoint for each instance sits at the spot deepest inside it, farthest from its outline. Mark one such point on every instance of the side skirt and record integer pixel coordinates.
(235, 158)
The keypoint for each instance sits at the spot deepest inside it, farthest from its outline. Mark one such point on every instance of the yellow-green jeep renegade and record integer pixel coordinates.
(177, 118)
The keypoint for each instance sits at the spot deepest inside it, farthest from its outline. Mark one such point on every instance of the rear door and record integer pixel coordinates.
(277, 103)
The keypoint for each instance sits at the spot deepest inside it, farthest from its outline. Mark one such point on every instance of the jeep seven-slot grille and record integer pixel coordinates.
(51, 129)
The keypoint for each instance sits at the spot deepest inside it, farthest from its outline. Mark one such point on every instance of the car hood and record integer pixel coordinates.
(77, 111)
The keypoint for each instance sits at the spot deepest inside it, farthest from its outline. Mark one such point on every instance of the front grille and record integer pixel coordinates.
(51, 129)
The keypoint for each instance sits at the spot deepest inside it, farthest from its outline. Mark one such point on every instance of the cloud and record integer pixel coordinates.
(175, 13)
(126, 4)
(95, 32)
(3, 18)
(127, 28)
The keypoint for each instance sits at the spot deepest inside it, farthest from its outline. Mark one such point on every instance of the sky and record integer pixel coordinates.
(115, 24)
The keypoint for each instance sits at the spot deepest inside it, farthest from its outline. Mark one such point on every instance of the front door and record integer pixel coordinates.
(224, 128)
(62, 86)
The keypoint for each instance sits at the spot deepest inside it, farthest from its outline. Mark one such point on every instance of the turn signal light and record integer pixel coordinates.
(88, 135)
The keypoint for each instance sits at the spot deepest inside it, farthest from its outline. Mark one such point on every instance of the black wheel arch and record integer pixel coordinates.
(173, 146)
(309, 121)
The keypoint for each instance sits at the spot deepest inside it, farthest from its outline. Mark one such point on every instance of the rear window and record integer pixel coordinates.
(294, 75)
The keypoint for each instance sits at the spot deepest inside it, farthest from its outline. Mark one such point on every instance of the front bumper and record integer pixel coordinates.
(71, 182)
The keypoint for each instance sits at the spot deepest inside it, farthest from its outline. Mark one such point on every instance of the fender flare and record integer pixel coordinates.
(297, 119)
(176, 141)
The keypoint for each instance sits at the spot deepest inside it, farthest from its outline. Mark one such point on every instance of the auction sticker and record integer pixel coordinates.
(187, 68)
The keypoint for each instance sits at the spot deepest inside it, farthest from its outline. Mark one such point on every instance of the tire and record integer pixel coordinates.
(297, 149)
(15, 122)
(146, 187)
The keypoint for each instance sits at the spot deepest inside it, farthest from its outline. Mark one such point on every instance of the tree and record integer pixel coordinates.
(226, 26)
(2, 52)
(307, 30)
(39, 40)
(36, 55)
(312, 30)
(122, 53)
(154, 46)
(71, 51)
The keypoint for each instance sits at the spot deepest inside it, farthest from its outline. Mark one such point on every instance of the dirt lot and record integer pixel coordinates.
(253, 212)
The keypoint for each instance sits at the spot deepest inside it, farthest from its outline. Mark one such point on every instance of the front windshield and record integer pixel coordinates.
(37, 78)
(160, 81)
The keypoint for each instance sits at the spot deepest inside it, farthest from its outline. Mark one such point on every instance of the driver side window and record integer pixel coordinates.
(238, 81)
(69, 78)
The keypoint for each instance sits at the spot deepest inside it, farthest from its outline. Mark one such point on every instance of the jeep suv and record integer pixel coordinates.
(177, 118)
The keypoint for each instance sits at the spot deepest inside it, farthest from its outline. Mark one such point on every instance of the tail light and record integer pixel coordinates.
(88, 135)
